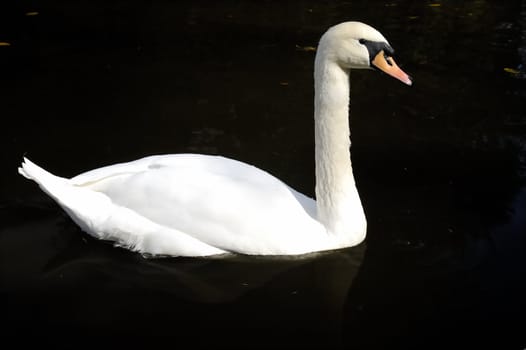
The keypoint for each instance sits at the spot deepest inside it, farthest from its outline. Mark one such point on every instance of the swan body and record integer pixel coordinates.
(201, 205)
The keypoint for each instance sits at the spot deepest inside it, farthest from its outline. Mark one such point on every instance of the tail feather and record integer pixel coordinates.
(98, 216)
(22, 172)
(31, 171)
(87, 208)
(90, 210)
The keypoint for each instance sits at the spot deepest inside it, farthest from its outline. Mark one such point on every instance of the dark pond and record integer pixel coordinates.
(439, 166)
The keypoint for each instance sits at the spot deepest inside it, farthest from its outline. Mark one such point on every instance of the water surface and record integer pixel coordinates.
(439, 166)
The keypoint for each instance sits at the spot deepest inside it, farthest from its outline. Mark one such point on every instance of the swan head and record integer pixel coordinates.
(355, 45)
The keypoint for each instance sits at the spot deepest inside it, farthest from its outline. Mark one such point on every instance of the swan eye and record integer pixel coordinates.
(361, 41)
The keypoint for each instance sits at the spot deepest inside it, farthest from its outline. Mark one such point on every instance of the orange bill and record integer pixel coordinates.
(387, 65)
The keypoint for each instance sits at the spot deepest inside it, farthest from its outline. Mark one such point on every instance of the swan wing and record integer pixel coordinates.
(224, 203)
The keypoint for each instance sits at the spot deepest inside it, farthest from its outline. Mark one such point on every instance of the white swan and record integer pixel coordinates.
(200, 205)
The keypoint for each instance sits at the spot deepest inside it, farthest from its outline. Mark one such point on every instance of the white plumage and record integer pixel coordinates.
(200, 205)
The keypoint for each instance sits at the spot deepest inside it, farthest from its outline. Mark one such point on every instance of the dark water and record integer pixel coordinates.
(440, 168)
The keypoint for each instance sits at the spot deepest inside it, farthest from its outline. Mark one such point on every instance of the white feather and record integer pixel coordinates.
(199, 205)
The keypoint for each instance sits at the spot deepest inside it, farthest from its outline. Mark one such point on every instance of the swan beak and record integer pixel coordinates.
(387, 65)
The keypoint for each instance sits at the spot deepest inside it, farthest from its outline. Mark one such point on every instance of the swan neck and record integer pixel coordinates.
(338, 204)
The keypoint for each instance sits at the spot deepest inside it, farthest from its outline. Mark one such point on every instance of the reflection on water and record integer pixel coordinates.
(74, 284)
(440, 167)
